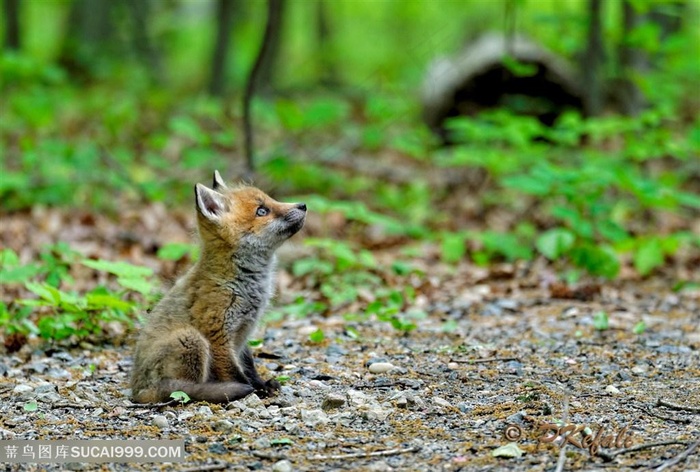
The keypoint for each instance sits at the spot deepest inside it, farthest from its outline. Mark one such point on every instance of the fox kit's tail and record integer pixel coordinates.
(212, 392)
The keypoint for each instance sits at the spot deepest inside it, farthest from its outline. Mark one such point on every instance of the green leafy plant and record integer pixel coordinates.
(56, 313)
(601, 321)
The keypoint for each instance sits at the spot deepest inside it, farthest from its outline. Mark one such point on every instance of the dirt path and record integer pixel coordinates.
(513, 361)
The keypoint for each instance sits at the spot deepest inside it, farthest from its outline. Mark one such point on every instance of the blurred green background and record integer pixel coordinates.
(113, 103)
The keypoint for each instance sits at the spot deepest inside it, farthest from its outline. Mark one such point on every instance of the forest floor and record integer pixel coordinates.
(523, 357)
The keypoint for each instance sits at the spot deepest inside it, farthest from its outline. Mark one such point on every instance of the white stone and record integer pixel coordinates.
(380, 367)
(442, 402)
(160, 421)
(21, 388)
(282, 466)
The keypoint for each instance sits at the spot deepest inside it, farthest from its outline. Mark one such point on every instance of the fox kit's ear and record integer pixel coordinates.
(218, 181)
(210, 204)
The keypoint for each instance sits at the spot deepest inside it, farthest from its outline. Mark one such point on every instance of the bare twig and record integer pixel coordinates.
(486, 359)
(561, 461)
(214, 466)
(273, 20)
(608, 456)
(674, 406)
(649, 412)
(153, 405)
(679, 458)
(73, 405)
(355, 455)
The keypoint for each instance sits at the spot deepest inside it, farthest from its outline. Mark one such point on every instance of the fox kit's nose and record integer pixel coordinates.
(301, 206)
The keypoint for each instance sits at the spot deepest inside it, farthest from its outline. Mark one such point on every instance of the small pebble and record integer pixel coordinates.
(21, 388)
(45, 388)
(160, 421)
(282, 466)
(611, 389)
(222, 425)
(217, 448)
(380, 367)
(332, 401)
(452, 365)
(312, 418)
(442, 402)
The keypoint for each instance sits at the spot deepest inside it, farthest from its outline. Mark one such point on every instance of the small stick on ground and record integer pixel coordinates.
(153, 405)
(355, 455)
(561, 461)
(649, 412)
(486, 359)
(214, 466)
(608, 456)
(73, 405)
(674, 406)
(679, 458)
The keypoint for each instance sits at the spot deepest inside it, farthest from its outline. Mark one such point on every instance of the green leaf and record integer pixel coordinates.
(176, 251)
(119, 268)
(30, 406)
(136, 284)
(450, 326)
(649, 256)
(283, 379)
(555, 243)
(281, 442)
(639, 328)
(510, 450)
(8, 259)
(255, 342)
(600, 321)
(518, 68)
(596, 260)
(45, 291)
(180, 396)
(19, 274)
(317, 336)
(452, 247)
(97, 301)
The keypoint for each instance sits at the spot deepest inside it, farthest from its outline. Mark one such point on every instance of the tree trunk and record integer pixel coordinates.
(12, 28)
(88, 35)
(593, 60)
(632, 60)
(272, 35)
(328, 73)
(141, 18)
(224, 25)
(266, 76)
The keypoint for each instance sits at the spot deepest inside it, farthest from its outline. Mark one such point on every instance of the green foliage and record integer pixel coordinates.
(30, 406)
(178, 251)
(281, 442)
(317, 336)
(180, 396)
(594, 199)
(56, 313)
(601, 321)
(639, 328)
(282, 379)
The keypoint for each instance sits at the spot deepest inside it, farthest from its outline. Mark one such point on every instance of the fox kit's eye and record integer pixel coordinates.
(262, 211)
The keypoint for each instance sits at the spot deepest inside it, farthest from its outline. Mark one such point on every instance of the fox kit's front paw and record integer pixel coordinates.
(267, 389)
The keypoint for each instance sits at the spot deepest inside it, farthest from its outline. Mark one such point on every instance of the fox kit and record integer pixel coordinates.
(195, 339)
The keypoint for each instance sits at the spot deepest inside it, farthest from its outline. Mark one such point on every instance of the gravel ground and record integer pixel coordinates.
(514, 361)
